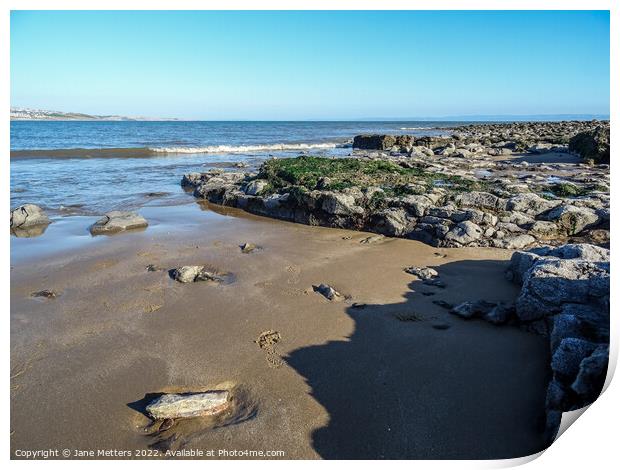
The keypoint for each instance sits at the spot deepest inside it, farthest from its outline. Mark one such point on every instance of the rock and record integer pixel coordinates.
(393, 222)
(521, 262)
(583, 251)
(592, 373)
(568, 356)
(28, 215)
(516, 242)
(188, 405)
(473, 309)
(422, 273)
(248, 247)
(187, 274)
(191, 179)
(118, 221)
(573, 219)
(441, 326)
(500, 314)
(46, 293)
(464, 233)
(372, 239)
(255, 187)
(552, 281)
(340, 204)
(592, 144)
(417, 204)
(328, 292)
(477, 199)
(530, 204)
(443, 304)
(374, 142)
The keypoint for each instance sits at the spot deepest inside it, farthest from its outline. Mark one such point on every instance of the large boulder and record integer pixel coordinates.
(551, 282)
(592, 144)
(118, 221)
(393, 222)
(573, 219)
(374, 142)
(28, 215)
(340, 204)
(463, 233)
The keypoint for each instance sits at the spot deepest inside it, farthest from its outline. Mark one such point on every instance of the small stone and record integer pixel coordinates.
(441, 326)
(422, 273)
(443, 304)
(187, 274)
(188, 405)
(328, 292)
(248, 247)
(48, 294)
(372, 239)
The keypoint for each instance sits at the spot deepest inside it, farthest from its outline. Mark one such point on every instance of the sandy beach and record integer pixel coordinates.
(385, 373)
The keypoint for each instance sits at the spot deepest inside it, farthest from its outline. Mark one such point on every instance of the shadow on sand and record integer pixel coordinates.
(401, 387)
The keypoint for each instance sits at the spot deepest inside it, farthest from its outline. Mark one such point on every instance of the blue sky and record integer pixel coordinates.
(311, 65)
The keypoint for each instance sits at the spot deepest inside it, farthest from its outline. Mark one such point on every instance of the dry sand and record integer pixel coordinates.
(342, 382)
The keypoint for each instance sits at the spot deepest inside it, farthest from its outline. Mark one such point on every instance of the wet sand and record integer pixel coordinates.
(343, 382)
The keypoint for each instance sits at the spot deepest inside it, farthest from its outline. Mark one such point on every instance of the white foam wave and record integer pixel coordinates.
(246, 148)
(414, 128)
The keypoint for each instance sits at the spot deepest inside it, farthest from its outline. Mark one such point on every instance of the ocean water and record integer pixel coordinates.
(88, 168)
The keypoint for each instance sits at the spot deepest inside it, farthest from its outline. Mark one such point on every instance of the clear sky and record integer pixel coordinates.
(311, 65)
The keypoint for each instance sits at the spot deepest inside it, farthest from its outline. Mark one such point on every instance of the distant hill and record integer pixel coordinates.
(28, 114)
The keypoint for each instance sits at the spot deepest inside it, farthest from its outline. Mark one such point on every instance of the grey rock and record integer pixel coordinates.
(552, 281)
(500, 314)
(477, 199)
(28, 215)
(328, 292)
(473, 309)
(118, 221)
(592, 372)
(255, 187)
(340, 204)
(422, 273)
(188, 405)
(186, 274)
(568, 356)
(574, 219)
(464, 233)
(530, 203)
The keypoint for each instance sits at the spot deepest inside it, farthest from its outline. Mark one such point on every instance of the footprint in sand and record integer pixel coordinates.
(267, 341)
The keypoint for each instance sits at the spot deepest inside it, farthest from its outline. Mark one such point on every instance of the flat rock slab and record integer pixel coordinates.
(118, 221)
(188, 405)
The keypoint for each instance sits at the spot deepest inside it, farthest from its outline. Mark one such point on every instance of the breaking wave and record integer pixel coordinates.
(247, 148)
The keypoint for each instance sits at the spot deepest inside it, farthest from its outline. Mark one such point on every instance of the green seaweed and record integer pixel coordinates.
(337, 174)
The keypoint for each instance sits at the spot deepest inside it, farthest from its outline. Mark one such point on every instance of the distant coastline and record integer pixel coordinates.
(29, 114)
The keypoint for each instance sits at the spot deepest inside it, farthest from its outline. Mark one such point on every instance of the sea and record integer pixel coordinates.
(91, 167)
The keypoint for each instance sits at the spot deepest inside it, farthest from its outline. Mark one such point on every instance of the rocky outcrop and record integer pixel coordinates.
(439, 217)
(592, 144)
(118, 221)
(588, 138)
(565, 296)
